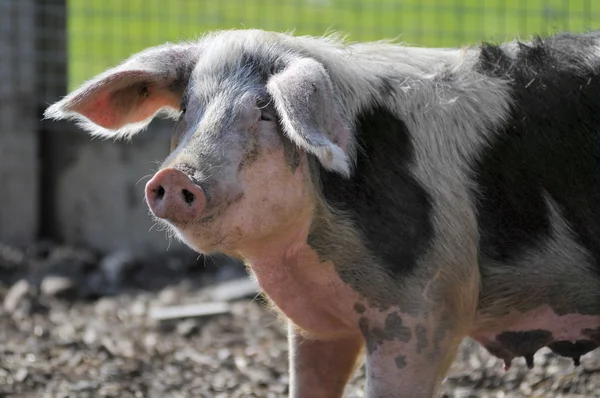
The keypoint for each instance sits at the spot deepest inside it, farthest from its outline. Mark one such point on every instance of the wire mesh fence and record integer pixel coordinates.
(102, 32)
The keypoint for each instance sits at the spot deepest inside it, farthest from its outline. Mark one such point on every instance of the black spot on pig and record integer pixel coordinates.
(573, 350)
(524, 343)
(389, 207)
(392, 330)
(548, 146)
(499, 351)
(421, 334)
(359, 308)
(439, 335)
(400, 361)
(372, 336)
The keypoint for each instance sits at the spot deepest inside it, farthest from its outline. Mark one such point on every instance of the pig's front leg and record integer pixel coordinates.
(406, 356)
(321, 368)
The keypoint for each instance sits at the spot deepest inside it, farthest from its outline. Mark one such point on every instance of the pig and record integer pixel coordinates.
(389, 200)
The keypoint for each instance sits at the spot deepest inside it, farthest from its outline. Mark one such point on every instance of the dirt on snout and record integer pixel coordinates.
(76, 325)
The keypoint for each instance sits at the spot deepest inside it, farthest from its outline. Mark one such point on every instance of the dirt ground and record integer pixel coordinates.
(76, 325)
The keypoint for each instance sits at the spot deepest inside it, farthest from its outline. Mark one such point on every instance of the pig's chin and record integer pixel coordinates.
(203, 237)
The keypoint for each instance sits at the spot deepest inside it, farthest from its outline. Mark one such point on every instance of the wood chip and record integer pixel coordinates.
(234, 290)
(188, 311)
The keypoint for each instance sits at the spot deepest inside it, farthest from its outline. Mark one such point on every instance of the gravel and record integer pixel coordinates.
(73, 324)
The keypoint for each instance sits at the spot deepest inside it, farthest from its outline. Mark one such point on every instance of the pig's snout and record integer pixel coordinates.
(173, 196)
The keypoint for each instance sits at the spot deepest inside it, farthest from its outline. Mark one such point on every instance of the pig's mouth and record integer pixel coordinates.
(188, 209)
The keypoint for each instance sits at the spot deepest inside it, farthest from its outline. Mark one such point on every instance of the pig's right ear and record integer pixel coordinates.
(122, 101)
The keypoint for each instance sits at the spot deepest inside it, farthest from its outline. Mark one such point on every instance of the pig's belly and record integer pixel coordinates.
(522, 334)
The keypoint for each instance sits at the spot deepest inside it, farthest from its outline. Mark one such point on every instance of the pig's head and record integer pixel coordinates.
(249, 115)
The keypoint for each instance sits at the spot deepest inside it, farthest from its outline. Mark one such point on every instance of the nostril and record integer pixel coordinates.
(160, 192)
(173, 196)
(187, 196)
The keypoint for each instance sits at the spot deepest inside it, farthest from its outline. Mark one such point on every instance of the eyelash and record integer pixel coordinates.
(183, 103)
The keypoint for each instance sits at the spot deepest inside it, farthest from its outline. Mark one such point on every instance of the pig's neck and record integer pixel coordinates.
(306, 288)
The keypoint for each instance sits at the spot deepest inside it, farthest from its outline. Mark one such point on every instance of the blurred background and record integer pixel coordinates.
(59, 184)
(90, 289)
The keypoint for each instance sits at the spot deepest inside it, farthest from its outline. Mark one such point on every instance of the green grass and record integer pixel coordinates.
(101, 33)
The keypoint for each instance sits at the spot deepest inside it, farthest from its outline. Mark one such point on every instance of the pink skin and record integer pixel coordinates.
(112, 110)
(563, 327)
(173, 196)
(320, 368)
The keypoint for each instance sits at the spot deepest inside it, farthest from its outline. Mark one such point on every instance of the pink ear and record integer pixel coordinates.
(123, 100)
(305, 101)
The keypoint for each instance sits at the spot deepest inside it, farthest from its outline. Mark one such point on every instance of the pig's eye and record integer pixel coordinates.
(266, 116)
(183, 103)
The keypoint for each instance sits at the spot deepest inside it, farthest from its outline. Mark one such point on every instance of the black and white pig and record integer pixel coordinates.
(386, 198)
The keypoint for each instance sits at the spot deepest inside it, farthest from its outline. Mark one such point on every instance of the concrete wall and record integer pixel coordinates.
(18, 123)
(99, 189)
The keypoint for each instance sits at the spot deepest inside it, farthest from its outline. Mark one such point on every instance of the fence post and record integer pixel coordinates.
(52, 72)
(19, 167)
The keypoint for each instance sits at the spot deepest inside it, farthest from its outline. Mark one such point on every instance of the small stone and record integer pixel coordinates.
(56, 286)
(150, 341)
(118, 348)
(187, 327)
(525, 389)
(463, 392)
(168, 296)
(223, 354)
(106, 306)
(21, 375)
(110, 346)
(90, 336)
(84, 385)
(138, 308)
(16, 294)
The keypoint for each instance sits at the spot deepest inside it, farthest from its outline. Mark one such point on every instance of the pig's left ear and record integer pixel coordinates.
(304, 99)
